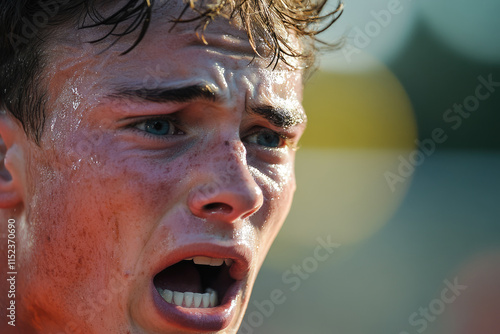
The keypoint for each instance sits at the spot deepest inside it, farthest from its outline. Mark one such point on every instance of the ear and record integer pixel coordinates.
(10, 185)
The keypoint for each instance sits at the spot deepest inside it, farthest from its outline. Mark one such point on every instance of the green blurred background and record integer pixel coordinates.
(414, 227)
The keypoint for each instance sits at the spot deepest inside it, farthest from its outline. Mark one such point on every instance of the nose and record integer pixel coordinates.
(227, 191)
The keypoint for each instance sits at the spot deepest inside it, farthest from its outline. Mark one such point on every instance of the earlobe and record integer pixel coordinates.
(10, 194)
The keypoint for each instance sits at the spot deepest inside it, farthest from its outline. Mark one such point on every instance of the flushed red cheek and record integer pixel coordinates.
(68, 257)
(75, 243)
(101, 212)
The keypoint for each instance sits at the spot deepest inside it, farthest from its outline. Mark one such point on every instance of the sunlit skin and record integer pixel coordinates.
(173, 150)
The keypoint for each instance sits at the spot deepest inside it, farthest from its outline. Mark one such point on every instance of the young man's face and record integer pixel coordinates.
(153, 164)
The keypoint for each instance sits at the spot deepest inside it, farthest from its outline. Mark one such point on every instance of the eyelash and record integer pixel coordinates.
(287, 140)
(172, 120)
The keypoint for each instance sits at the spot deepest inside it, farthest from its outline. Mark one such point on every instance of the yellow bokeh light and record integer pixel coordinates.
(367, 109)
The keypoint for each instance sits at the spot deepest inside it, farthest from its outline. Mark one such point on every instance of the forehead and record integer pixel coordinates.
(174, 56)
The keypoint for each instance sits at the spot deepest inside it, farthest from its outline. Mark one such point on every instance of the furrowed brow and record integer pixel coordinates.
(281, 118)
(166, 95)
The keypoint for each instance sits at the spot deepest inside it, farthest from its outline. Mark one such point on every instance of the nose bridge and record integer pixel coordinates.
(229, 170)
(227, 190)
(230, 159)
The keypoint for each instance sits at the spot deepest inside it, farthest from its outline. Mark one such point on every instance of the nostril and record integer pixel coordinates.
(218, 208)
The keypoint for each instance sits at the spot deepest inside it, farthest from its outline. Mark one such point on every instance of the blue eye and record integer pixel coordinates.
(266, 138)
(157, 127)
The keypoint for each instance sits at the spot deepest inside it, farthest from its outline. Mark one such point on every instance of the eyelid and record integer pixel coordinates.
(132, 121)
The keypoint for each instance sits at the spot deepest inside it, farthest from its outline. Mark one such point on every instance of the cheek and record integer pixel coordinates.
(278, 186)
(70, 250)
(85, 229)
(96, 212)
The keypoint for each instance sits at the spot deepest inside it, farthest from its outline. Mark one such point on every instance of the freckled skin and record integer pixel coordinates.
(102, 204)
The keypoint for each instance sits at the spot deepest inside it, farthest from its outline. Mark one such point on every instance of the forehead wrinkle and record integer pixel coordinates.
(222, 35)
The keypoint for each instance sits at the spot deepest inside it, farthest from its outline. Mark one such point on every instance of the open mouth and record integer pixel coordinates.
(197, 282)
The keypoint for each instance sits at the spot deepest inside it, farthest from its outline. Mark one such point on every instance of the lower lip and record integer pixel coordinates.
(201, 319)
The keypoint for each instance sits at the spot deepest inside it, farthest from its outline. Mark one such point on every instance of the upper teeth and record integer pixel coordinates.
(210, 261)
(190, 299)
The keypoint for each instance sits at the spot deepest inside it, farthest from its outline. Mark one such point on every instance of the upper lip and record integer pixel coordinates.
(240, 254)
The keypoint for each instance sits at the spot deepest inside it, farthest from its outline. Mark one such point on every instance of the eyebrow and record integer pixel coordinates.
(279, 117)
(282, 118)
(166, 95)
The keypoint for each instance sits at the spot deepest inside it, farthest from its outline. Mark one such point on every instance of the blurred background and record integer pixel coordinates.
(395, 227)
